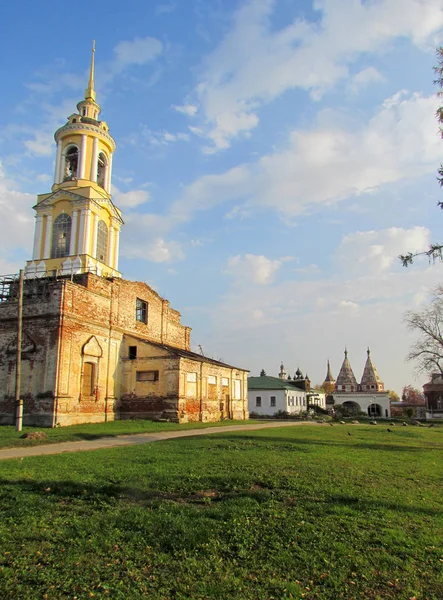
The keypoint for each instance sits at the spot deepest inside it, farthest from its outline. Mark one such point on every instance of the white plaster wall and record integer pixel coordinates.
(283, 398)
(364, 400)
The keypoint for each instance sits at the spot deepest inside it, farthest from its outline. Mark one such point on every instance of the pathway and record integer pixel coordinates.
(137, 438)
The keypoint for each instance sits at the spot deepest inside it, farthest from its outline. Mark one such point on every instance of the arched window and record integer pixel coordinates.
(71, 163)
(102, 241)
(61, 236)
(102, 169)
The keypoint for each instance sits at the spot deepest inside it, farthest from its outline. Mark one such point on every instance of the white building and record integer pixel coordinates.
(368, 396)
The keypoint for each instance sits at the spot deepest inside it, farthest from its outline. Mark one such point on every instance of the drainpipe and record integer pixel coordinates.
(201, 391)
(18, 369)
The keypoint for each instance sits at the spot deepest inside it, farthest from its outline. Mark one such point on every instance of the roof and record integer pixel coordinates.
(346, 375)
(329, 376)
(266, 382)
(186, 353)
(370, 374)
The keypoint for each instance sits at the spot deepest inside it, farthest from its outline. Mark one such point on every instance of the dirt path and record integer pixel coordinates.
(130, 440)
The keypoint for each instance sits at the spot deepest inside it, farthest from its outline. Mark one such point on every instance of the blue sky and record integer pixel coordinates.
(273, 159)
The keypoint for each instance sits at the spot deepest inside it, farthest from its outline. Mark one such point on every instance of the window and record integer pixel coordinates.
(61, 236)
(102, 169)
(147, 376)
(132, 352)
(237, 389)
(225, 381)
(88, 383)
(212, 380)
(258, 401)
(191, 377)
(141, 311)
(102, 241)
(273, 401)
(191, 385)
(71, 163)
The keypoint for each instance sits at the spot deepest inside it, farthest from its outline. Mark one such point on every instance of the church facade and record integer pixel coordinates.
(97, 347)
(368, 396)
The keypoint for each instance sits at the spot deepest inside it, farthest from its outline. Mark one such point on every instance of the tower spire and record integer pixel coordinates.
(90, 92)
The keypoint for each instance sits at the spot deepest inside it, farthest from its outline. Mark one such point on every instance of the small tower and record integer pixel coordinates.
(346, 381)
(77, 225)
(282, 373)
(329, 383)
(370, 381)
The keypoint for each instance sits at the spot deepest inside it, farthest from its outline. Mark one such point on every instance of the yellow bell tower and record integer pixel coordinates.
(77, 226)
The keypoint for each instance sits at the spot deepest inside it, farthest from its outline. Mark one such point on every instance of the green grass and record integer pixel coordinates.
(10, 438)
(298, 512)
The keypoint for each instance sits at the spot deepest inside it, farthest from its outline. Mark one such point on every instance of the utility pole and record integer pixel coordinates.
(18, 370)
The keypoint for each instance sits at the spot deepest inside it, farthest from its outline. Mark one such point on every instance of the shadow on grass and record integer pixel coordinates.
(65, 490)
(348, 442)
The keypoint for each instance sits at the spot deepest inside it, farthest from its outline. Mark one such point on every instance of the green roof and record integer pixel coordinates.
(266, 382)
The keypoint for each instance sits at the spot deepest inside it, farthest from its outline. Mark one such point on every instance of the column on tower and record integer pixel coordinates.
(94, 160)
(117, 244)
(111, 246)
(81, 174)
(108, 175)
(57, 162)
(37, 238)
(74, 226)
(94, 237)
(48, 237)
(87, 236)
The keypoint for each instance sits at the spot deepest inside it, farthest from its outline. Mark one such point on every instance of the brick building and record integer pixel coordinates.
(97, 347)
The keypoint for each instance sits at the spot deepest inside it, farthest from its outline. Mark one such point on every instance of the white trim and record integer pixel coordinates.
(109, 174)
(48, 237)
(81, 173)
(94, 237)
(58, 157)
(37, 237)
(111, 247)
(116, 246)
(94, 160)
(74, 227)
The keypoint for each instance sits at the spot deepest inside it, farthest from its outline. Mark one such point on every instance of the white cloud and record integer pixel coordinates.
(187, 109)
(16, 224)
(364, 78)
(252, 268)
(335, 159)
(138, 51)
(130, 199)
(255, 62)
(156, 250)
(372, 252)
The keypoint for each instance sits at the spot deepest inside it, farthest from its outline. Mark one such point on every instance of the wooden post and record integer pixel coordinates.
(18, 370)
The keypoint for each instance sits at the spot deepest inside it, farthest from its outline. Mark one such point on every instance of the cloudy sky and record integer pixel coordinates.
(273, 159)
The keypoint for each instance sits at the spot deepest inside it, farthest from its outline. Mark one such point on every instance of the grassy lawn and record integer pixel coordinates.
(301, 512)
(10, 438)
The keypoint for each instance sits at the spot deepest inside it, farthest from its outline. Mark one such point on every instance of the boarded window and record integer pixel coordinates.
(141, 311)
(88, 379)
(191, 384)
(147, 376)
(237, 389)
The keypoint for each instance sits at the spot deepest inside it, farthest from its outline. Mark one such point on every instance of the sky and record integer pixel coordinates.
(274, 157)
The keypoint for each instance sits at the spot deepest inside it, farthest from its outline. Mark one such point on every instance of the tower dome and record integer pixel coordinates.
(346, 381)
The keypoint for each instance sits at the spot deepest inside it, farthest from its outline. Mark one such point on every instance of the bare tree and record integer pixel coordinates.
(435, 251)
(427, 351)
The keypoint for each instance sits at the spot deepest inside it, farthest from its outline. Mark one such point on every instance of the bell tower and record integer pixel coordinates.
(77, 225)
